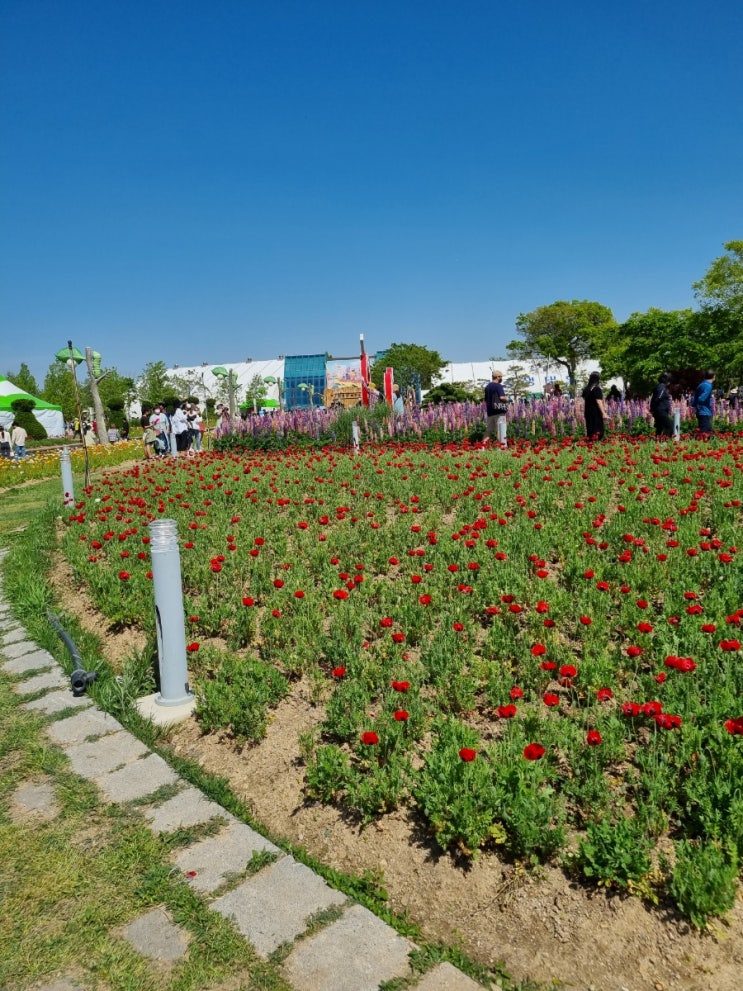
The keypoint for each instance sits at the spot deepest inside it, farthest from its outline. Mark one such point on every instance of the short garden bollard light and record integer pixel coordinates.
(171, 631)
(677, 424)
(68, 491)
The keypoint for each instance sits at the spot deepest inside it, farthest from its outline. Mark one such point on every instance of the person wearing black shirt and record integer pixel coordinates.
(660, 407)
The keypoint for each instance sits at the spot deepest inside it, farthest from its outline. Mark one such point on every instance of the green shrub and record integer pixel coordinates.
(616, 854)
(23, 416)
(238, 696)
(328, 773)
(704, 880)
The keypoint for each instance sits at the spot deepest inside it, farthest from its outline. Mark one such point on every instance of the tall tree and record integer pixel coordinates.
(414, 365)
(24, 379)
(153, 383)
(562, 334)
(60, 389)
(720, 294)
(119, 388)
(647, 344)
(722, 286)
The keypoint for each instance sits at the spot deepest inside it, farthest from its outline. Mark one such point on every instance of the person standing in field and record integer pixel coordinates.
(702, 401)
(594, 410)
(4, 442)
(18, 437)
(660, 407)
(496, 407)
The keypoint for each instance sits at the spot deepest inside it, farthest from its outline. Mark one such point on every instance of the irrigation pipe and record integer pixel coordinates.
(80, 678)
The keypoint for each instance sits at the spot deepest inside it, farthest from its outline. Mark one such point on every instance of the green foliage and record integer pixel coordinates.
(59, 389)
(615, 853)
(561, 333)
(704, 880)
(153, 383)
(456, 796)
(451, 392)
(238, 697)
(647, 344)
(23, 379)
(414, 364)
(24, 418)
(722, 286)
(328, 773)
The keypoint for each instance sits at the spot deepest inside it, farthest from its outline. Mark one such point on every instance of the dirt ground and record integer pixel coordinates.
(543, 926)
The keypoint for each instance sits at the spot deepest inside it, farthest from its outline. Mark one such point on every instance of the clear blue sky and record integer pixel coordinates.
(212, 180)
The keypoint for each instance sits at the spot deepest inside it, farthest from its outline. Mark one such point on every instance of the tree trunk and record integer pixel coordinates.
(97, 404)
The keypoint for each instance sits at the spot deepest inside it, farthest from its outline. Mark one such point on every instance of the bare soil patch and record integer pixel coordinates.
(542, 926)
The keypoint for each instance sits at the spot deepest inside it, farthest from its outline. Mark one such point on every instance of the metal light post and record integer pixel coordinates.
(72, 358)
(68, 489)
(171, 630)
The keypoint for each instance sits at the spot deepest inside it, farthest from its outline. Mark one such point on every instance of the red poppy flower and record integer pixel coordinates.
(542, 607)
(276, 613)
(339, 672)
(568, 671)
(386, 622)
(193, 619)
(398, 638)
(457, 627)
(467, 754)
(666, 721)
(534, 751)
(589, 573)
(661, 677)
(550, 699)
(506, 711)
(548, 665)
(401, 686)
(370, 738)
(340, 593)
(586, 620)
(734, 726)
(248, 601)
(516, 693)
(604, 694)
(514, 608)
(538, 650)
(124, 576)
(730, 645)
(192, 647)
(602, 586)
(401, 715)
(708, 627)
(634, 651)
(645, 627)
(216, 567)
(593, 738)
(425, 600)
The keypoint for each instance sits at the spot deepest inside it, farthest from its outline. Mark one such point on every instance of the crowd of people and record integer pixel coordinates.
(170, 431)
(594, 407)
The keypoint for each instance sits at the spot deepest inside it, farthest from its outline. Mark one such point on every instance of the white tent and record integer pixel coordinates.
(478, 373)
(204, 383)
(49, 416)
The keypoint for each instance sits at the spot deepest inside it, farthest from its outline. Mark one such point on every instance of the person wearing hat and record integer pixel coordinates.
(496, 407)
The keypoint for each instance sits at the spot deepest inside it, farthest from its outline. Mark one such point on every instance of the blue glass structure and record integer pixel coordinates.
(307, 369)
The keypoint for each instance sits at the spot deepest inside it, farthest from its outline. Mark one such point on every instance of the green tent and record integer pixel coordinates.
(46, 413)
